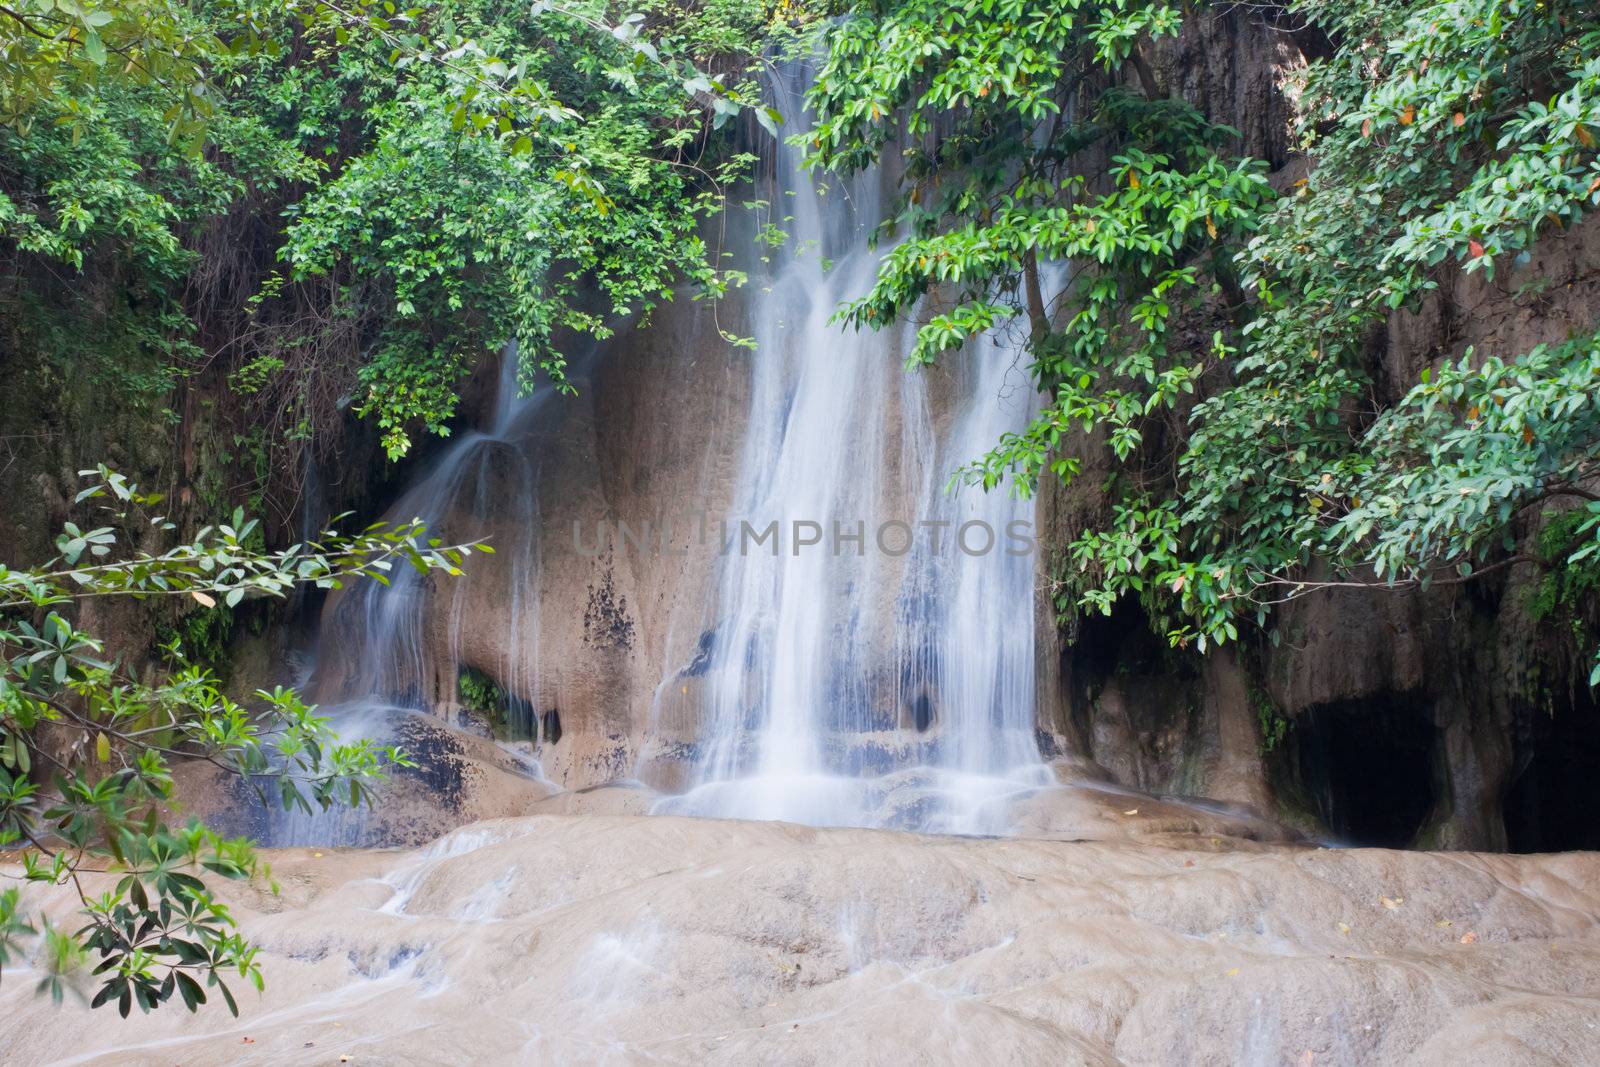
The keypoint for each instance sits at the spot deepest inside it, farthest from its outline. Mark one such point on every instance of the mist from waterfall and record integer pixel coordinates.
(864, 688)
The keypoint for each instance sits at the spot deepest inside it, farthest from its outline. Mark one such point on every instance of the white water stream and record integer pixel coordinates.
(842, 438)
(883, 676)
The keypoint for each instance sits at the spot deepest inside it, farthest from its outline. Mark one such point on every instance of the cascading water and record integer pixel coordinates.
(483, 477)
(886, 680)
(379, 658)
(882, 676)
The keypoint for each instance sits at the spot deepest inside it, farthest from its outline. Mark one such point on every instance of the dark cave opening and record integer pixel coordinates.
(1554, 791)
(1367, 767)
(551, 726)
(1121, 642)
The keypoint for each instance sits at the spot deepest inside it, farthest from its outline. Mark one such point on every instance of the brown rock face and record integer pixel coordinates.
(579, 616)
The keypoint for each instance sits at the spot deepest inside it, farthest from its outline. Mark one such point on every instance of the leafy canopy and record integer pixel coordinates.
(437, 180)
(1448, 135)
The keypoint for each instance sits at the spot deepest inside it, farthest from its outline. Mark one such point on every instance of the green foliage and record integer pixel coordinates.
(1446, 133)
(439, 180)
(1270, 720)
(1459, 134)
(479, 693)
(1570, 591)
(1005, 191)
(468, 242)
(53, 49)
(86, 744)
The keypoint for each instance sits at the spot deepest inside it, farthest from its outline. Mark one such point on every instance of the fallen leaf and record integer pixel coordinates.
(1470, 937)
(1444, 923)
(247, 1041)
(203, 598)
(1585, 138)
(1131, 811)
(1391, 902)
(1343, 928)
(1211, 228)
(316, 855)
(1188, 863)
(1307, 1058)
(1233, 972)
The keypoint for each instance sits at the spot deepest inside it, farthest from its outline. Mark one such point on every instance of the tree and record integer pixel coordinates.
(462, 229)
(1444, 131)
(87, 744)
(432, 181)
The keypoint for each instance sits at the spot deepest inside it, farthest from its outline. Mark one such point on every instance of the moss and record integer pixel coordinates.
(508, 717)
(1566, 588)
(1563, 601)
(479, 693)
(203, 635)
(1274, 724)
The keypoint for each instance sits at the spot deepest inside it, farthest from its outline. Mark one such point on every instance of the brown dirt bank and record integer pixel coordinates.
(625, 939)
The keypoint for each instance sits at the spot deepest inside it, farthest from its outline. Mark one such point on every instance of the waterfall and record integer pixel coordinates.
(887, 680)
(866, 651)
(385, 650)
(486, 481)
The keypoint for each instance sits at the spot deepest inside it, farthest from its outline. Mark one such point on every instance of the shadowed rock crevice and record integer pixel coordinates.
(1554, 794)
(1369, 768)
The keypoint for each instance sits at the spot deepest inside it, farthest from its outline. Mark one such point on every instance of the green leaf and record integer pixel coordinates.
(94, 50)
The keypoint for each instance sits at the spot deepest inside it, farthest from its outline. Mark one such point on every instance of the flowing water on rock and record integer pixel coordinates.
(396, 662)
(883, 676)
(380, 631)
(803, 720)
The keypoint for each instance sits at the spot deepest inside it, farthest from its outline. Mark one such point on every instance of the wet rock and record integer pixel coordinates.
(577, 939)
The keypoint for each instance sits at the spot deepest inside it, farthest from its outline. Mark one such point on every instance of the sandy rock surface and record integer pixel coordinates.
(590, 938)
